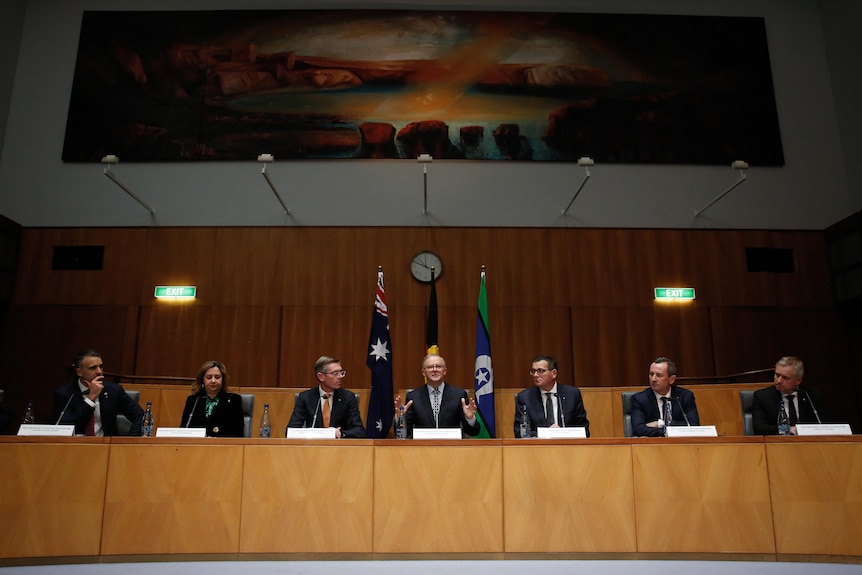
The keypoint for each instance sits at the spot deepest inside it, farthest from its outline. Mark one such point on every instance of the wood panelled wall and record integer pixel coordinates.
(271, 300)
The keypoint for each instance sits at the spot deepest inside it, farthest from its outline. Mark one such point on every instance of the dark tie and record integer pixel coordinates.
(436, 406)
(791, 409)
(667, 411)
(90, 430)
(549, 409)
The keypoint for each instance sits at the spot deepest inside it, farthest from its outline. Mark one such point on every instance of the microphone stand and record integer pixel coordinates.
(192, 412)
(65, 407)
(316, 410)
(560, 407)
(811, 403)
(682, 409)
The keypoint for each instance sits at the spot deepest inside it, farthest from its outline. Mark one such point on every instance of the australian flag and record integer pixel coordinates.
(381, 409)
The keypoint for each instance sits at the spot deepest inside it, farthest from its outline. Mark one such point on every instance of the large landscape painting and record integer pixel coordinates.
(303, 84)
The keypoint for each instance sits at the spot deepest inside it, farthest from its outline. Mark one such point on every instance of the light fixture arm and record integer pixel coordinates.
(741, 167)
(586, 163)
(425, 159)
(266, 159)
(111, 176)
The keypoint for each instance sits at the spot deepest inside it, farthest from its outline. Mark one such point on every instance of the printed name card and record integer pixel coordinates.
(561, 432)
(823, 429)
(442, 433)
(45, 430)
(181, 432)
(311, 433)
(692, 431)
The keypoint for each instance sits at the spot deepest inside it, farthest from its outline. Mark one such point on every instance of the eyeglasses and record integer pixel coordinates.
(337, 373)
(434, 367)
(539, 371)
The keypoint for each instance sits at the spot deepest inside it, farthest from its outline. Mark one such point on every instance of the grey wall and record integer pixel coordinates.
(809, 192)
(11, 25)
(841, 22)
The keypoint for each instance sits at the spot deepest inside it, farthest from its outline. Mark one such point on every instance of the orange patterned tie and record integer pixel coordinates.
(326, 409)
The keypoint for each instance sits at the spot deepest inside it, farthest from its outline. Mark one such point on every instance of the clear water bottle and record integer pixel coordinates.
(783, 421)
(525, 424)
(265, 426)
(147, 423)
(28, 415)
(400, 430)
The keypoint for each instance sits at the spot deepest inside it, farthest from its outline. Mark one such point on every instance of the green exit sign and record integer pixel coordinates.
(674, 294)
(176, 292)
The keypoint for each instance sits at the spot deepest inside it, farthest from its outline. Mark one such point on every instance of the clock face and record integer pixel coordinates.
(421, 266)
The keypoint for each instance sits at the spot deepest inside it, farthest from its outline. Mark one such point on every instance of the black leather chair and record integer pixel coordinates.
(627, 413)
(746, 400)
(247, 413)
(123, 423)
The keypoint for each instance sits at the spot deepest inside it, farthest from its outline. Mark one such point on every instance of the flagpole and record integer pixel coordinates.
(381, 410)
(484, 371)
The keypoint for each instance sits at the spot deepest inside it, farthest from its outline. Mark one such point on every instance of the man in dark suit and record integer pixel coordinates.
(801, 403)
(438, 404)
(548, 403)
(328, 404)
(91, 404)
(662, 404)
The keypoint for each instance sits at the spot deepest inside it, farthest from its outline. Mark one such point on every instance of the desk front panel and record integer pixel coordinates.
(173, 497)
(702, 498)
(568, 498)
(308, 497)
(438, 497)
(816, 495)
(52, 495)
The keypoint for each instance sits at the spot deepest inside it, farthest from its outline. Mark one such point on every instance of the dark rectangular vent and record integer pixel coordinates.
(78, 257)
(776, 260)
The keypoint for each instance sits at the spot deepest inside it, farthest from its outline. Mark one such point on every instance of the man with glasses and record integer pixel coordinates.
(328, 404)
(549, 403)
(438, 404)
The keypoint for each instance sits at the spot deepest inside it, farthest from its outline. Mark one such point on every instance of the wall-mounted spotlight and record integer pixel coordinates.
(268, 159)
(425, 159)
(586, 162)
(738, 165)
(111, 159)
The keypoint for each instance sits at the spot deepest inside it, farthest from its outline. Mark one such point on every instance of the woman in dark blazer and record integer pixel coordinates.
(211, 406)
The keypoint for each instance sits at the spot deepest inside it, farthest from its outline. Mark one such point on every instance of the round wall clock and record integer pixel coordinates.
(421, 264)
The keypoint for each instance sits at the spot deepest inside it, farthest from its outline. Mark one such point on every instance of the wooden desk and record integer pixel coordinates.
(774, 498)
(307, 497)
(816, 488)
(568, 496)
(52, 492)
(702, 496)
(438, 496)
(169, 496)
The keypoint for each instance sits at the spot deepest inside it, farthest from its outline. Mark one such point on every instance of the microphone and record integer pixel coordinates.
(317, 409)
(682, 409)
(560, 407)
(811, 403)
(192, 412)
(65, 407)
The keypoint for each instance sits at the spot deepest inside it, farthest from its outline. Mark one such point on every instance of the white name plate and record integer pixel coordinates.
(442, 433)
(46, 430)
(823, 429)
(310, 433)
(181, 432)
(561, 432)
(692, 431)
